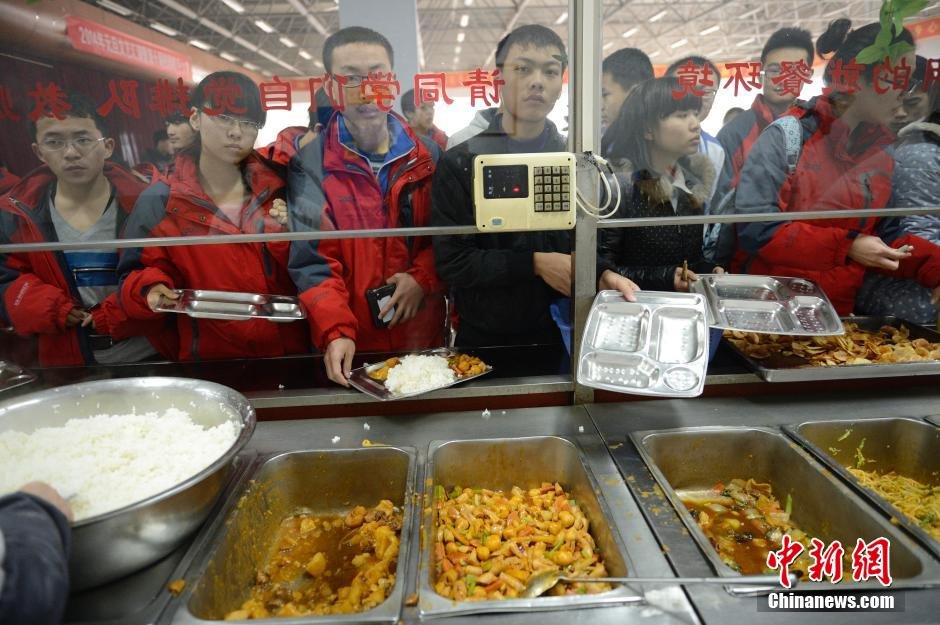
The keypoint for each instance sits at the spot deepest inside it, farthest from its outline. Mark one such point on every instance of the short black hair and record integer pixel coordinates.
(354, 34)
(534, 35)
(247, 95)
(701, 61)
(159, 135)
(79, 106)
(790, 37)
(628, 67)
(408, 102)
(176, 118)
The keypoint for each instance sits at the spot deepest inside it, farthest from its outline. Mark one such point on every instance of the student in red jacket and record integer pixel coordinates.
(219, 186)
(367, 169)
(66, 299)
(737, 137)
(844, 163)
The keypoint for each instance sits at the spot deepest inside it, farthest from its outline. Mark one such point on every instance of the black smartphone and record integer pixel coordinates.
(377, 299)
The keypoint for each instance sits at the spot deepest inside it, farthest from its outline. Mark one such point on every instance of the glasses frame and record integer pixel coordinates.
(91, 144)
(228, 122)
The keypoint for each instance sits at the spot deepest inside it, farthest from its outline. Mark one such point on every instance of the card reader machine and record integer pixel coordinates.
(514, 192)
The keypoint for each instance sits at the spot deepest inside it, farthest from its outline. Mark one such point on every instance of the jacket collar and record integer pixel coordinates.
(866, 138)
(340, 149)
(697, 177)
(31, 192)
(258, 175)
(494, 139)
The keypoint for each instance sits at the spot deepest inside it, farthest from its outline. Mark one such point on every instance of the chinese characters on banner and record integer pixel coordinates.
(870, 560)
(167, 97)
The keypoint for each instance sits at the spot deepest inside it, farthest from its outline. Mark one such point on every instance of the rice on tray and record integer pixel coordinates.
(107, 462)
(417, 373)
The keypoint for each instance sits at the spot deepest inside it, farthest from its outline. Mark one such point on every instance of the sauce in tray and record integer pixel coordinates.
(744, 521)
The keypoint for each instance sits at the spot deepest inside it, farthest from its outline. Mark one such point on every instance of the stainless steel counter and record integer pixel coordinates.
(666, 605)
(616, 421)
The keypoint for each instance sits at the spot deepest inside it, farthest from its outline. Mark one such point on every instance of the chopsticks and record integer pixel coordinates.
(685, 271)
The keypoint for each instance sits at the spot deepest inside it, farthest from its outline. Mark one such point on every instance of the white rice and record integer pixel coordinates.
(107, 462)
(417, 374)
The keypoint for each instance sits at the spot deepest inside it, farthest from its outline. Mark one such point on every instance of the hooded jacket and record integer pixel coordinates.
(499, 298)
(649, 256)
(178, 206)
(37, 290)
(835, 171)
(332, 187)
(480, 123)
(7, 180)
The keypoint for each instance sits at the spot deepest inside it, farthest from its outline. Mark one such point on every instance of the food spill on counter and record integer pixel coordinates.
(327, 564)
(744, 522)
(176, 587)
(488, 543)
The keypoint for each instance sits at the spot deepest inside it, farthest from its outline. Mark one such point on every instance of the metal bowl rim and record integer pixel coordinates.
(233, 397)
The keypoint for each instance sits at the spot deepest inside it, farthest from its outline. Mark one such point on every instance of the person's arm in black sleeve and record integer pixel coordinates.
(459, 261)
(34, 547)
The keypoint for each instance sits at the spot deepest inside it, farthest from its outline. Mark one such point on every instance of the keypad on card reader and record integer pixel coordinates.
(552, 188)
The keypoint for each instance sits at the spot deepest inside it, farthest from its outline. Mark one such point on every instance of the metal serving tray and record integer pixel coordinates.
(229, 305)
(655, 346)
(688, 459)
(770, 304)
(935, 419)
(359, 378)
(502, 463)
(909, 447)
(780, 368)
(12, 376)
(326, 482)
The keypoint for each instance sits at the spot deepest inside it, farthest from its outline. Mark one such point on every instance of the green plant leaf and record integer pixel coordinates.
(872, 54)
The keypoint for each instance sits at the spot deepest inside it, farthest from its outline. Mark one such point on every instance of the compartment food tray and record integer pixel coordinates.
(229, 305)
(360, 380)
(770, 304)
(657, 345)
(779, 368)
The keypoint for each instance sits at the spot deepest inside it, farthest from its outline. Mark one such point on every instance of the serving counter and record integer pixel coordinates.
(656, 542)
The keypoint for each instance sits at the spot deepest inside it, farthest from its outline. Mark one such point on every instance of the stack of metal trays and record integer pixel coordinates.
(12, 375)
(229, 305)
(657, 345)
(769, 304)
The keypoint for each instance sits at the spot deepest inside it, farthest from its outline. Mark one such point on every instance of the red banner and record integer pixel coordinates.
(112, 44)
(924, 29)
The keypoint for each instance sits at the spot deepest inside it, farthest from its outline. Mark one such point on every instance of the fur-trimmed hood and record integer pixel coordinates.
(697, 170)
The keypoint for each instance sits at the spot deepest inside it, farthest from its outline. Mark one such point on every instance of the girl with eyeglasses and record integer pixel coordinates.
(220, 185)
(832, 153)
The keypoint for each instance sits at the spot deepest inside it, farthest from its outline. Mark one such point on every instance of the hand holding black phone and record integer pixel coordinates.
(377, 299)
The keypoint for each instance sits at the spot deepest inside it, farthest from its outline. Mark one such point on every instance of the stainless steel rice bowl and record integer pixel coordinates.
(110, 545)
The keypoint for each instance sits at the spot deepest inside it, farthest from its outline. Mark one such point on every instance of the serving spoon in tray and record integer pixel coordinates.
(540, 583)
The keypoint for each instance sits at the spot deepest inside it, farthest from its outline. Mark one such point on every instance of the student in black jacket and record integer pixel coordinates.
(34, 548)
(504, 283)
(661, 174)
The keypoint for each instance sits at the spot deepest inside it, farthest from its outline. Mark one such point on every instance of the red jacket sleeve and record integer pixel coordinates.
(36, 307)
(924, 263)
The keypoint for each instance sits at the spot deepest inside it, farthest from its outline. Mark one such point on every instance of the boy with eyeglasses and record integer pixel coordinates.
(66, 299)
(786, 45)
(365, 170)
(219, 186)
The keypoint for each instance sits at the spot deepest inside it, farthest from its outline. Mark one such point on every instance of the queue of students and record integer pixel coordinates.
(365, 168)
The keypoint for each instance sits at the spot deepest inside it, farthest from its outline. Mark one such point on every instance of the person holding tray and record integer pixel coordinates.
(661, 173)
(366, 170)
(833, 153)
(217, 186)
